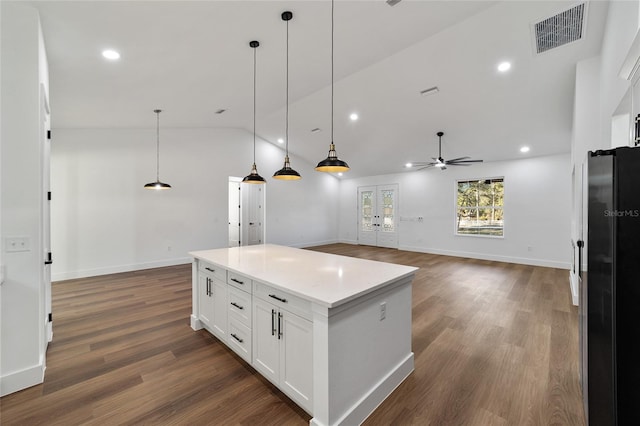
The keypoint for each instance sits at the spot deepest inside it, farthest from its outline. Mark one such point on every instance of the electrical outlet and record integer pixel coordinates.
(17, 244)
(383, 310)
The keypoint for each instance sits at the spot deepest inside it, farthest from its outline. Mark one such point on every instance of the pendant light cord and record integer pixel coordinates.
(331, 71)
(158, 146)
(286, 130)
(254, 105)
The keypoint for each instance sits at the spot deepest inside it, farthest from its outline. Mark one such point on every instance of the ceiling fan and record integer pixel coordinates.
(440, 162)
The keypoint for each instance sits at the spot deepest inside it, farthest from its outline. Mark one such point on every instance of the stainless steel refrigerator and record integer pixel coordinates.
(610, 294)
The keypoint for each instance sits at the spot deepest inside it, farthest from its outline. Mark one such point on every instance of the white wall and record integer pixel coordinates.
(598, 92)
(536, 211)
(103, 221)
(24, 70)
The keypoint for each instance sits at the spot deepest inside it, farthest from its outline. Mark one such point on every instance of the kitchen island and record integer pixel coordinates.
(332, 332)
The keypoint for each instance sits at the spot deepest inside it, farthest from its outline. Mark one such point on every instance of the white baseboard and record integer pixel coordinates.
(195, 323)
(314, 244)
(497, 258)
(22, 379)
(353, 242)
(376, 395)
(69, 275)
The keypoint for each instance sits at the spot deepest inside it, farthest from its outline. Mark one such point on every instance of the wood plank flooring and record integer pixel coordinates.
(494, 344)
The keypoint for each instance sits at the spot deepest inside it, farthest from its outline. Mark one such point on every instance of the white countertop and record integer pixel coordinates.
(322, 278)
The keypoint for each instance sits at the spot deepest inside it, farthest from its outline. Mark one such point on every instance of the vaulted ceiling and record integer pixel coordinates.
(192, 58)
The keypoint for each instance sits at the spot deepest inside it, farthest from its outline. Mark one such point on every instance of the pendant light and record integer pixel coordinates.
(286, 172)
(332, 164)
(157, 185)
(254, 177)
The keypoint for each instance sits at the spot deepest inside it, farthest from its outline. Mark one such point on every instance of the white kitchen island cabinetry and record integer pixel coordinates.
(332, 332)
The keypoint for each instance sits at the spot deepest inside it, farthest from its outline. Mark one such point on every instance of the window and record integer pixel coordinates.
(480, 207)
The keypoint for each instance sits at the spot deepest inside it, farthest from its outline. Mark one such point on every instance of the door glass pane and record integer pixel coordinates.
(387, 211)
(367, 212)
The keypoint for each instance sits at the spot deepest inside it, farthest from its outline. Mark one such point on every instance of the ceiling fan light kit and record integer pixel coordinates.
(440, 162)
(157, 185)
(286, 172)
(332, 164)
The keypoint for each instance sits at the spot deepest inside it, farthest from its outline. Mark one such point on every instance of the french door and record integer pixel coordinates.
(378, 215)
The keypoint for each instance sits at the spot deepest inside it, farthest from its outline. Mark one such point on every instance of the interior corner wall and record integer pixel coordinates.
(22, 320)
(103, 221)
(537, 204)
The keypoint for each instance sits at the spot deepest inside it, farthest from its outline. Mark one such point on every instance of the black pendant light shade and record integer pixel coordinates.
(157, 185)
(254, 177)
(332, 164)
(286, 172)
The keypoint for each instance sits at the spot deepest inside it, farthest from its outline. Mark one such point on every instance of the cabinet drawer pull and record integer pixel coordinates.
(209, 269)
(237, 306)
(278, 298)
(208, 286)
(273, 322)
(279, 325)
(237, 338)
(237, 281)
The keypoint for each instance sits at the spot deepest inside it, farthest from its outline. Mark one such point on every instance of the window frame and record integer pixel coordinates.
(456, 208)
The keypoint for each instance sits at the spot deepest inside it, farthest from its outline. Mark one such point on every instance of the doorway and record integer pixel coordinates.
(378, 215)
(246, 213)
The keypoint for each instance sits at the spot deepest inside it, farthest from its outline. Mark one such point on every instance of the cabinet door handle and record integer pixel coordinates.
(273, 322)
(279, 325)
(237, 306)
(278, 298)
(237, 281)
(236, 337)
(208, 286)
(209, 269)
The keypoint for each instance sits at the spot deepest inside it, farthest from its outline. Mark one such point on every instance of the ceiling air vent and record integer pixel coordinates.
(560, 29)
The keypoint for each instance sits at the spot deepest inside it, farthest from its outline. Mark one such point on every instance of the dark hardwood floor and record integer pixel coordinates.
(494, 344)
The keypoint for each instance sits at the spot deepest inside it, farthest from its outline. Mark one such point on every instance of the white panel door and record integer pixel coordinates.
(255, 219)
(378, 215)
(234, 212)
(266, 346)
(45, 132)
(296, 359)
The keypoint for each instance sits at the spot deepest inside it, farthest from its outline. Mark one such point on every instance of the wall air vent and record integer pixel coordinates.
(565, 27)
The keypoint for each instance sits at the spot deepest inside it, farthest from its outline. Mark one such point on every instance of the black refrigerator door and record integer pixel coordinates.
(627, 284)
(600, 353)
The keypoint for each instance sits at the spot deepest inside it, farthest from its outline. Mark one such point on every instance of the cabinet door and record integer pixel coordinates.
(219, 325)
(266, 346)
(205, 300)
(296, 359)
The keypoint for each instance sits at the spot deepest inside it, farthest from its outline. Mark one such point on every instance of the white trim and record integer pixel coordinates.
(353, 242)
(22, 379)
(574, 287)
(313, 244)
(508, 259)
(120, 268)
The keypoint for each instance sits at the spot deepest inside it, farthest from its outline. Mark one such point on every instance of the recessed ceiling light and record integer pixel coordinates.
(408, 165)
(111, 54)
(280, 140)
(524, 149)
(353, 116)
(504, 66)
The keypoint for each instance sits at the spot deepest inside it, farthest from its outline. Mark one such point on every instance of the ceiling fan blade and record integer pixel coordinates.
(457, 159)
(458, 164)
(464, 161)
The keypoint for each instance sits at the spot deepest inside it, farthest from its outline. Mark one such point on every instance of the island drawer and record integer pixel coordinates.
(239, 281)
(216, 271)
(240, 306)
(240, 339)
(280, 298)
